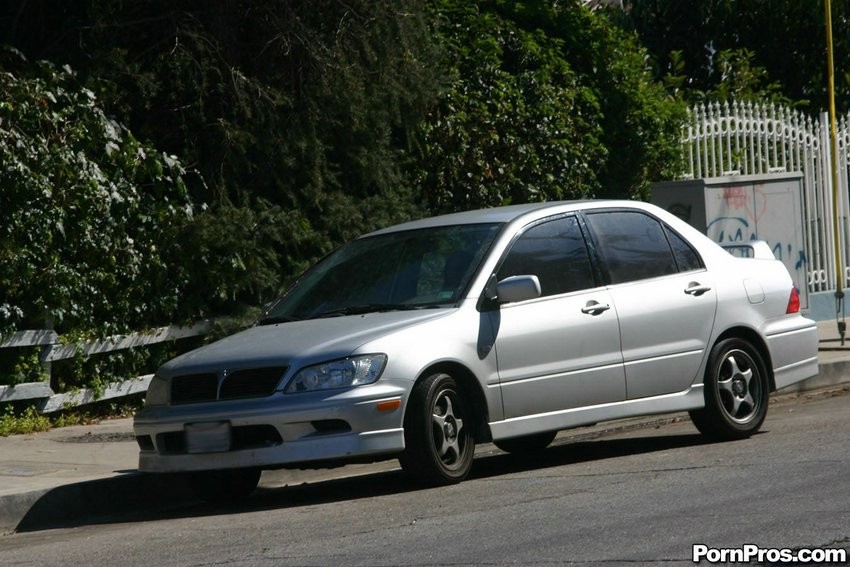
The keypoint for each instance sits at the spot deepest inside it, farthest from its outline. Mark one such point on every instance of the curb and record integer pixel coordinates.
(77, 502)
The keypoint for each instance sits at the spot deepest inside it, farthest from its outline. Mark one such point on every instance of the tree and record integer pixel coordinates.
(549, 101)
(514, 125)
(716, 43)
(302, 113)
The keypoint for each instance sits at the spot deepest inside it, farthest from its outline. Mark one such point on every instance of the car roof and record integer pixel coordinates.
(528, 213)
(505, 214)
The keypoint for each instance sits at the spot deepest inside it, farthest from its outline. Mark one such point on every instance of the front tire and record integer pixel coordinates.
(438, 439)
(736, 392)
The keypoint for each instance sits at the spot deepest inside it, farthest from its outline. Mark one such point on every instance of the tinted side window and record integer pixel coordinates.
(686, 258)
(632, 244)
(556, 253)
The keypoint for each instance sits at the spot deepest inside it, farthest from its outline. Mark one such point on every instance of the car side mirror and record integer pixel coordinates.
(518, 288)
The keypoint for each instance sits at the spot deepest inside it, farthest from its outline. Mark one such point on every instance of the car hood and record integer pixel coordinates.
(298, 342)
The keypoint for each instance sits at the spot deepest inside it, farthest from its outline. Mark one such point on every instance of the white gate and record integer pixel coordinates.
(755, 139)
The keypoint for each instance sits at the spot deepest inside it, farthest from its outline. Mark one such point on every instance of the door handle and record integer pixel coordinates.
(594, 308)
(694, 288)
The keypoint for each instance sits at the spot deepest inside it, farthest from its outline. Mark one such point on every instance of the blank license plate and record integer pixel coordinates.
(211, 437)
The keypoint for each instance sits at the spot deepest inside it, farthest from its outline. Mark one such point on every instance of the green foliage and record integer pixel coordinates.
(300, 111)
(19, 419)
(640, 123)
(20, 366)
(226, 326)
(98, 371)
(70, 417)
(549, 101)
(235, 256)
(85, 210)
(20, 422)
(514, 125)
(94, 413)
(760, 49)
(97, 233)
(741, 79)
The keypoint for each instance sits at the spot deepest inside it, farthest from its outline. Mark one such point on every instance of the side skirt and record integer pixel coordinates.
(690, 399)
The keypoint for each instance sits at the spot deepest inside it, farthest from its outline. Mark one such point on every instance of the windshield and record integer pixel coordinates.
(416, 269)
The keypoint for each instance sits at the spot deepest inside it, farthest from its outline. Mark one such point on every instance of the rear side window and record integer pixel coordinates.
(555, 251)
(633, 245)
(686, 257)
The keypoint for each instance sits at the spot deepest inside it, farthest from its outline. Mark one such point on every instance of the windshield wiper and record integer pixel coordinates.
(276, 319)
(371, 308)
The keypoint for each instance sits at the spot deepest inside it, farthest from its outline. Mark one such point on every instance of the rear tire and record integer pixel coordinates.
(226, 487)
(736, 392)
(439, 445)
(527, 443)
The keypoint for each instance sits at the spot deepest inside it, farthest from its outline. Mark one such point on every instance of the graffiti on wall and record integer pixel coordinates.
(743, 214)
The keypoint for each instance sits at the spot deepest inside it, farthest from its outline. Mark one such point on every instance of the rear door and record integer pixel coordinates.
(665, 299)
(561, 350)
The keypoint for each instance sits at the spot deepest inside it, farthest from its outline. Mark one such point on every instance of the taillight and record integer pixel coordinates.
(793, 301)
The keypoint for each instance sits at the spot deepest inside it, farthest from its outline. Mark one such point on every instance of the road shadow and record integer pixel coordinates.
(137, 497)
(579, 452)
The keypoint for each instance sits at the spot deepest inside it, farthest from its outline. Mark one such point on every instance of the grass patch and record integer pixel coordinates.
(16, 419)
(27, 421)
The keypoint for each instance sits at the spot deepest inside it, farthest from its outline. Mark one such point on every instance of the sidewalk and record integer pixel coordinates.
(64, 476)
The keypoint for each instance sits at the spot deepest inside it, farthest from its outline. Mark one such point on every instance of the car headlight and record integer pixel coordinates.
(157, 394)
(353, 371)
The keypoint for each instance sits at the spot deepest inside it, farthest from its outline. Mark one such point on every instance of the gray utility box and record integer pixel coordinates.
(744, 208)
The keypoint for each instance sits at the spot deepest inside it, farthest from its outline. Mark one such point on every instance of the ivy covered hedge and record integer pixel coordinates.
(89, 213)
(98, 235)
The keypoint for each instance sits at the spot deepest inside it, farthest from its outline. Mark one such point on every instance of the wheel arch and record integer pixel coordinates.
(757, 342)
(471, 387)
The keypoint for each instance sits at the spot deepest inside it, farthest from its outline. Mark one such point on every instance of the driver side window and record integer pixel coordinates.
(555, 252)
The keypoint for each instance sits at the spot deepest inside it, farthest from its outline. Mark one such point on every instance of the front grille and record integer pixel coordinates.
(248, 383)
(252, 383)
(194, 388)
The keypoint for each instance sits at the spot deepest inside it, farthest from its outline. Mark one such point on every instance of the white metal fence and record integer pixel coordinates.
(756, 139)
(53, 348)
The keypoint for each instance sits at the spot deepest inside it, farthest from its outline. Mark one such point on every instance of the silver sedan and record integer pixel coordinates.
(503, 325)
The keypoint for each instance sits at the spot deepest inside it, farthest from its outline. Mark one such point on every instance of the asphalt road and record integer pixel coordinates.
(644, 496)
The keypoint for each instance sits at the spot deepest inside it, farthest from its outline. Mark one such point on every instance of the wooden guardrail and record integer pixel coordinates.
(54, 348)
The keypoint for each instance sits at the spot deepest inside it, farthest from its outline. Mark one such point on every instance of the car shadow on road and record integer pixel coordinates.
(146, 497)
(578, 452)
(494, 463)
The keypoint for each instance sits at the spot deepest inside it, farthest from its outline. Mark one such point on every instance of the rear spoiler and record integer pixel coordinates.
(754, 249)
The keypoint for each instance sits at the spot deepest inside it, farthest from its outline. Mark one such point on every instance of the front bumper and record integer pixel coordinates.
(278, 430)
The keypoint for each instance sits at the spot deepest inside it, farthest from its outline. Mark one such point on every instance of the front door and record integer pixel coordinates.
(561, 350)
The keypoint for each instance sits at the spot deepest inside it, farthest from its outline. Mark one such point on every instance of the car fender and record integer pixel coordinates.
(463, 338)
